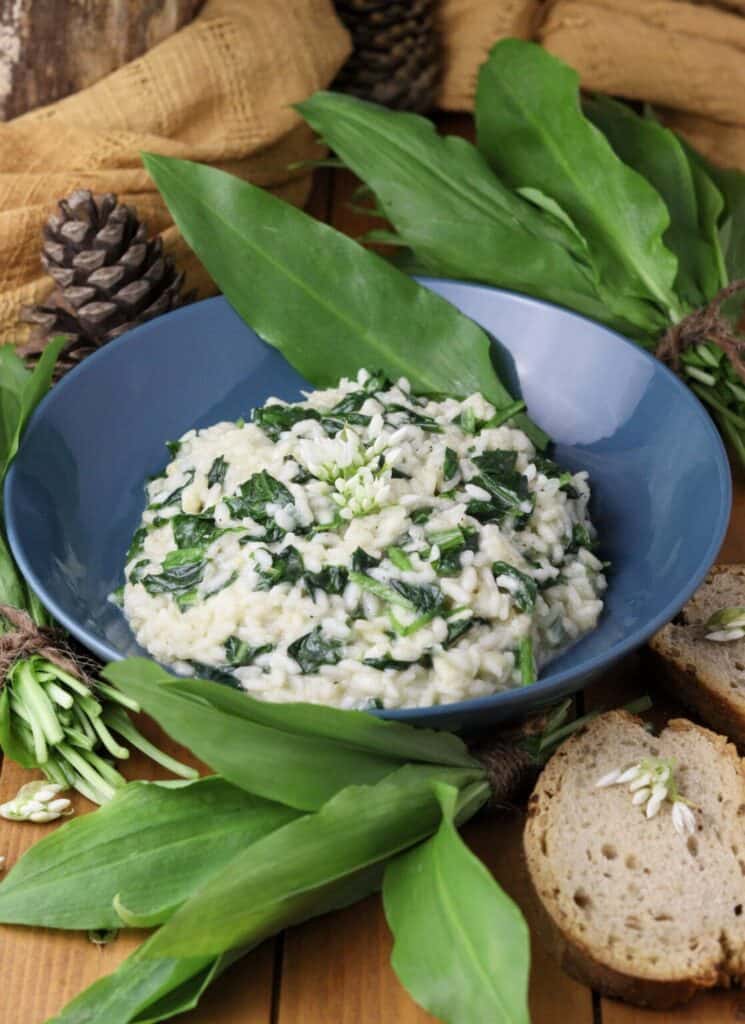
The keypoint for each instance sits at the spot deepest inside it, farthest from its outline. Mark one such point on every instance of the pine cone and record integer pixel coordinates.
(109, 277)
(396, 59)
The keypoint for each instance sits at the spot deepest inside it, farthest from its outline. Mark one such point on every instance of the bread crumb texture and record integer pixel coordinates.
(647, 913)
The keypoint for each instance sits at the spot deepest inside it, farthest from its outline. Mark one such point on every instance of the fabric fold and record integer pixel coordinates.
(220, 91)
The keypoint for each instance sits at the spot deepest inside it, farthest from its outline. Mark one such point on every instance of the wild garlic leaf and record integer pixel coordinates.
(302, 771)
(379, 317)
(507, 488)
(461, 946)
(655, 152)
(11, 742)
(533, 133)
(144, 989)
(137, 544)
(299, 754)
(361, 561)
(177, 579)
(301, 870)
(447, 205)
(731, 186)
(20, 393)
(217, 472)
(523, 589)
(287, 567)
(275, 418)
(260, 490)
(424, 597)
(238, 653)
(12, 586)
(458, 627)
(450, 465)
(193, 531)
(314, 649)
(387, 661)
(332, 579)
(334, 859)
(152, 846)
(174, 496)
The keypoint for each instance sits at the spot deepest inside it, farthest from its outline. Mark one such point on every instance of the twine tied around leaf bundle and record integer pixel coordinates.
(707, 324)
(25, 639)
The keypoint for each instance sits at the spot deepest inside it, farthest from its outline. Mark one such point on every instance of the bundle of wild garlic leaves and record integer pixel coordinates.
(598, 209)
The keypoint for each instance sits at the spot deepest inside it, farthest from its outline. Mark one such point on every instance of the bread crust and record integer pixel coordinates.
(695, 686)
(698, 691)
(576, 957)
(579, 962)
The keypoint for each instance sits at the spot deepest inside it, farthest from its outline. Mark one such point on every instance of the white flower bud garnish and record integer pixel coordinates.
(684, 820)
(651, 782)
(38, 802)
(726, 624)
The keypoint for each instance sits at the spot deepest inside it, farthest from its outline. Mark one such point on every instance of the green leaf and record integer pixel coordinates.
(532, 132)
(298, 754)
(461, 945)
(144, 990)
(731, 185)
(188, 531)
(691, 198)
(150, 848)
(313, 649)
(20, 394)
(294, 873)
(380, 319)
(353, 728)
(524, 588)
(10, 742)
(316, 864)
(710, 209)
(12, 587)
(14, 379)
(217, 472)
(449, 207)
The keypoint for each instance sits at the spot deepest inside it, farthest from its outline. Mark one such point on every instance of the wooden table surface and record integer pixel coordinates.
(335, 970)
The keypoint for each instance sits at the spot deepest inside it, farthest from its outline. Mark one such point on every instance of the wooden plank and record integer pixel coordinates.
(709, 1008)
(336, 969)
(42, 969)
(497, 840)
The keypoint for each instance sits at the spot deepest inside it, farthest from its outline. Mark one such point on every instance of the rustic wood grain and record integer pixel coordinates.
(49, 49)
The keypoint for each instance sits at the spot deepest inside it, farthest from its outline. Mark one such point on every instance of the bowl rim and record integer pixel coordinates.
(544, 691)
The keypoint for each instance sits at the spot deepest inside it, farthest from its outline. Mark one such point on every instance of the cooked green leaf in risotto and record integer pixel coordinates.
(364, 548)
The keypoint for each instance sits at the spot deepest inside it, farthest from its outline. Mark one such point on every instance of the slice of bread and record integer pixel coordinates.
(631, 907)
(707, 676)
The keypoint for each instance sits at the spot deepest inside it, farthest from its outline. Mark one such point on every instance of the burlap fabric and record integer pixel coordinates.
(688, 59)
(220, 91)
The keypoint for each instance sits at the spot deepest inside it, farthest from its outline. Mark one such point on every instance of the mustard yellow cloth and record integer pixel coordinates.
(220, 90)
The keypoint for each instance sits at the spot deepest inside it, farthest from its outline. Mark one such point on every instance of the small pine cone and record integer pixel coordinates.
(396, 59)
(109, 277)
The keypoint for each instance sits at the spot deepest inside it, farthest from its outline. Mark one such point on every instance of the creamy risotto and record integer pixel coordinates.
(363, 548)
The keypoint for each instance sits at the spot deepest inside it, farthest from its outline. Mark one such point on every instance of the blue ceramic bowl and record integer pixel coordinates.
(659, 473)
